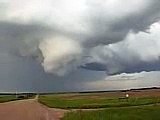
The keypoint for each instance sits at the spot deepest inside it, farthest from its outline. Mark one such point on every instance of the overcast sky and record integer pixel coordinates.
(78, 45)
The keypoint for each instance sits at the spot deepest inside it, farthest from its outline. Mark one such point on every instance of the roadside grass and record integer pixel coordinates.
(91, 102)
(128, 113)
(7, 98)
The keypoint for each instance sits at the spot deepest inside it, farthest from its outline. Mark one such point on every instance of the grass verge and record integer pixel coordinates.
(129, 113)
(7, 98)
(90, 102)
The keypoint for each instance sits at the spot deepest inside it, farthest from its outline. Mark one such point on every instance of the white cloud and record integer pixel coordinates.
(61, 54)
(145, 45)
(137, 49)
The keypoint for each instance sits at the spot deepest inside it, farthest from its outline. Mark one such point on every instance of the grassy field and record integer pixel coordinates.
(99, 100)
(11, 97)
(141, 105)
(6, 98)
(129, 113)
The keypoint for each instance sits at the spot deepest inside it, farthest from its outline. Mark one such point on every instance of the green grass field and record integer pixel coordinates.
(6, 98)
(129, 113)
(11, 97)
(143, 105)
(91, 101)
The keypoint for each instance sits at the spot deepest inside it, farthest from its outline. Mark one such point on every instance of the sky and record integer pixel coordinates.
(69, 45)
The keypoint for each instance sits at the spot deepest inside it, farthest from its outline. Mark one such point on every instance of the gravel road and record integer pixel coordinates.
(28, 110)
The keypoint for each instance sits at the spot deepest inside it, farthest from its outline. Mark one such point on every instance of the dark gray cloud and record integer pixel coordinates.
(17, 38)
(25, 74)
(127, 68)
(105, 31)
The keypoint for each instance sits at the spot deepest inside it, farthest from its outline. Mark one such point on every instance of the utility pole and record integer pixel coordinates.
(16, 94)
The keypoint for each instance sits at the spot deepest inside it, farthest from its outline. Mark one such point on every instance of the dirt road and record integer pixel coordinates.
(28, 110)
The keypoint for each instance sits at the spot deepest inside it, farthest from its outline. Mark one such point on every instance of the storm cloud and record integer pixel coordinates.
(137, 52)
(67, 36)
(63, 35)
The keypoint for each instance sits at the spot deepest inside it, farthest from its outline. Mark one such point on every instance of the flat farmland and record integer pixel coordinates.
(141, 105)
(101, 99)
